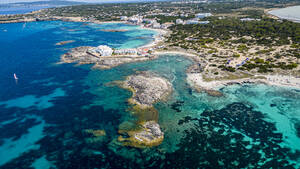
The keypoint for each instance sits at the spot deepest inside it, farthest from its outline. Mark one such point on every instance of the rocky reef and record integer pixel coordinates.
(95, 136)
(147, 88)
(149, 134)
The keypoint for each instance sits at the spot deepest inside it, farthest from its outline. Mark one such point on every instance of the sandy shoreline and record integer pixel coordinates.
(174, 53)
(196, 80)
(157, 38)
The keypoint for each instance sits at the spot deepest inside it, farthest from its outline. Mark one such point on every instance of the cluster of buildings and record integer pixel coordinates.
(106, 51)
(101, 50)
(249, 19)
(126, 52)
(152, 23)
(195, 20)
(139, 20)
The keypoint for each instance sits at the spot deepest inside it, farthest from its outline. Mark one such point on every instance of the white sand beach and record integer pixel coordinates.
(196, 80)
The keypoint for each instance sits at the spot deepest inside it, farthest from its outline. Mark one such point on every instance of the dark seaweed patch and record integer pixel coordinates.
(177, 105)
(297, 127)
(217, 142)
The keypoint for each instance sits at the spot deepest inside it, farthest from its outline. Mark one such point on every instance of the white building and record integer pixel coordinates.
(125, 52)
(156, 25)
(135, 19)
(166, 25)
(192, 21)
(203, 15)
(179, 21)
(103, 50)
(204, 22)
(249, 19)
(124, 18)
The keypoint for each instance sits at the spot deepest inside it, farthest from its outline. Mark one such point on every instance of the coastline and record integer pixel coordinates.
(158, 38)
(196, 80)
(193, 79)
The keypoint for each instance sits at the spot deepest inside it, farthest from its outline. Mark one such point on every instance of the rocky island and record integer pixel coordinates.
(147, 88)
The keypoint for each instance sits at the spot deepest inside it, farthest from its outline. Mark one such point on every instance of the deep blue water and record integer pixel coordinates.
(44, 114)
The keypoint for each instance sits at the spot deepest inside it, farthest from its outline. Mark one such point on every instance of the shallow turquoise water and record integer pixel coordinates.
(44, 114)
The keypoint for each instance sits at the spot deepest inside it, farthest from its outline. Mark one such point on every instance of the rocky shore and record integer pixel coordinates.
(197, 82)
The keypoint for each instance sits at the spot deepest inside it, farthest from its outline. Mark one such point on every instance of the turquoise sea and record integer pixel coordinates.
(43, 115)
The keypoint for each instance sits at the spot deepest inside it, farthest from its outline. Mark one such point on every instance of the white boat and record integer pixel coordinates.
(24, 26)
(15, 76)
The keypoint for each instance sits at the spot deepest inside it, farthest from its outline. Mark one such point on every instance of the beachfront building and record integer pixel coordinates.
(156, 25)
(179, 21)
(124, 18)
(102, 50)
(125, 52)
(166, 25)
(135, 19)
(203, 15)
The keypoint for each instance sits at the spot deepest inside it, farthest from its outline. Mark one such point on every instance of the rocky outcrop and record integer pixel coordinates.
(147, 88)
(149, 135)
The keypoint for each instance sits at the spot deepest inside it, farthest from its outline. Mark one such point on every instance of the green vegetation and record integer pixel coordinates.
(266, 66)
(264, 32)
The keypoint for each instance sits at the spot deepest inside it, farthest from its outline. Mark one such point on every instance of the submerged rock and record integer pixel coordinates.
(149, 134)
(64, 42)
(96, 133)
(215, 93)
(97, 136)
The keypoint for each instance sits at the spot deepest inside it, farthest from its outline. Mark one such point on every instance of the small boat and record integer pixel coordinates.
(24, 26)
(15, 76)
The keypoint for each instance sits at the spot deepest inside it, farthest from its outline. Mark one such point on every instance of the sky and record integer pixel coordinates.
(92, 1)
